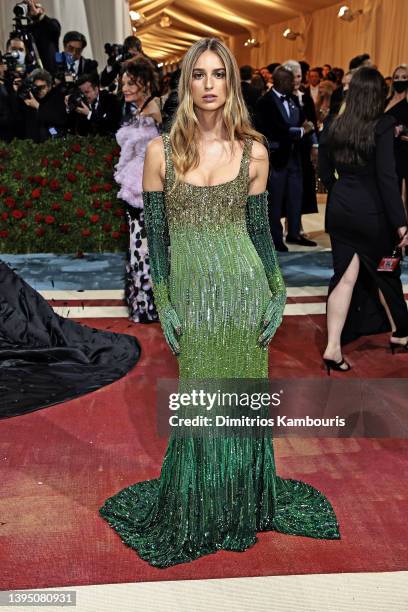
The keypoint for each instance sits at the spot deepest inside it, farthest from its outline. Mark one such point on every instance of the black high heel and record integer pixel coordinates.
(397, 345)
(336, 365)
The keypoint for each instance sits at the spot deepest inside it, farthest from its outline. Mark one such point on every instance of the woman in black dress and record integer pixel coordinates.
(365, 218)
(397, 107)
(46, 359)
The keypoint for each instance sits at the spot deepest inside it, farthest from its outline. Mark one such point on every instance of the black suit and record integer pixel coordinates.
(251, 95)
(51, 114)
(283, 133)
(87, 66)
(105, 118)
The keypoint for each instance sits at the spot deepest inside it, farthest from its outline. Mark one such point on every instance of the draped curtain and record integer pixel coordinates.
(382, 31)
(100, 20)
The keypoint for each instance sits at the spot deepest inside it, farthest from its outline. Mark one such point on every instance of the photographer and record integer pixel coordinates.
(46, 32)
(72, 59)
(93, 111)
(121, 56)
(45, 115)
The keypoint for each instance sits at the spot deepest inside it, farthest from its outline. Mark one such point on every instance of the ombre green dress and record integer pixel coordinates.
(214, 492)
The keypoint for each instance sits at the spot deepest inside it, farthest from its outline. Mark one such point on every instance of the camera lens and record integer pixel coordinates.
(21, 10)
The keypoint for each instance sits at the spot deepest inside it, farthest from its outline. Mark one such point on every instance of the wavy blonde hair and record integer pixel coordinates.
(183, 134)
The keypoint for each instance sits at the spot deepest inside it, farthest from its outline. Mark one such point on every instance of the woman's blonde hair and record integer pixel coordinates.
(183, 134)
(400, 67)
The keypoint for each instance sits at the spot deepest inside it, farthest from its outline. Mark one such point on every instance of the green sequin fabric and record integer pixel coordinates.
(214, 267)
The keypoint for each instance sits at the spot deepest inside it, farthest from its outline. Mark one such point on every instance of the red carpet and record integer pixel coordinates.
(59, 464)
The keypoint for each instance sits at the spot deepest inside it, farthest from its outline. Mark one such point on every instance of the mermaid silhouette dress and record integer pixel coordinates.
(214, 492)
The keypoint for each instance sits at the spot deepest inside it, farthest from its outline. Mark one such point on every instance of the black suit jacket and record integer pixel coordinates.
(105, 119)
(46, 33)
(272, 121)
(251, 95)
(51, 114)
(87, 66)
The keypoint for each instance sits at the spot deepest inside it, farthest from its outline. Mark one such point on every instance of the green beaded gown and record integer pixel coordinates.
(222, 274)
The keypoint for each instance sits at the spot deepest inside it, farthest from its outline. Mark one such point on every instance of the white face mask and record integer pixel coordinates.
(21, 58)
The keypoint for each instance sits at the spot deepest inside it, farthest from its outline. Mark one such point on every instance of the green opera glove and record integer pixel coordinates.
(260, 234)
(158, 241)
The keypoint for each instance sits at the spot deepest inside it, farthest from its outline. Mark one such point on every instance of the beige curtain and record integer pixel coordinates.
(382, 31)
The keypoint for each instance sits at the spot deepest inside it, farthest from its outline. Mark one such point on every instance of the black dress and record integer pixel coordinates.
(400, 113)
(46, 359)
(363, 212)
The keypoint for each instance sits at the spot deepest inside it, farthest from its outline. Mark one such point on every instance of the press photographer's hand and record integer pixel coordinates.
(32, 102)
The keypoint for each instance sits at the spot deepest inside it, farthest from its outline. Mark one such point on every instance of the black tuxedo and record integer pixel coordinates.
(105, 118)
(87, 66)
(251, 95)
(284, 133)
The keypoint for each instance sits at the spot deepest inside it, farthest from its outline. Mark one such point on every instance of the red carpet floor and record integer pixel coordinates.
(59, 464)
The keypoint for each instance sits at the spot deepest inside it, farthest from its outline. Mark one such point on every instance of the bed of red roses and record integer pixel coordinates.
(60, 197)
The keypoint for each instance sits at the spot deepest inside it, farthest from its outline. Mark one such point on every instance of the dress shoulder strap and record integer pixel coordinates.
(246, 158)
(170, 174)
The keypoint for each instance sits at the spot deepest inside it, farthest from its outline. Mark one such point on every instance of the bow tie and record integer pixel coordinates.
(285, 98)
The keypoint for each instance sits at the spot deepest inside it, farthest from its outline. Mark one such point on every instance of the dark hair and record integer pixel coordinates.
(15, 37)
(352, 133)
(131, 42)
(246, 72)
(305, 67)
(358, 61)
(331, 76)
(175, 78)
(92, 78)
(273, 66)
(143, 70)
(318, 70)
(41, 75)
(75, 36)
(328, 66)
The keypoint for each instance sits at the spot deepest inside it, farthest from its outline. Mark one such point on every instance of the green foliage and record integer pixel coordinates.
(60, 197)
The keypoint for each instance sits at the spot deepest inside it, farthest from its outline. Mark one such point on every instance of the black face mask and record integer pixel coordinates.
(400, 86)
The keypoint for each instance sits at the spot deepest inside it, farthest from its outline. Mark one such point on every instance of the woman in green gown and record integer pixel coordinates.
(220, 297)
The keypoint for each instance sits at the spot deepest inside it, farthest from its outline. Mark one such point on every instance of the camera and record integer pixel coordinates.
(75, 100)
(10, 60)
(116, 53)
(21, 10)
(26, 89)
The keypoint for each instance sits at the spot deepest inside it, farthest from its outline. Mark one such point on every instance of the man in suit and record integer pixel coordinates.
(76, 64)
(46, 32)
(101, 114)
(249, 92)
(281, 120)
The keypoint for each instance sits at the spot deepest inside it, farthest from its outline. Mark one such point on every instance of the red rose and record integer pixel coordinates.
(86, 232)
(45, 162)
(107, 205)
(80, 168)
(44, 182)
(4, 234)
(64, 228)
(21, 191)
(72, 177)
(10, 202)
(123, 228)
(23, 227)
(108, 157)
(36, 194)
(95, 188)
(76, 148)
(56, 163)
(96, 204)
(38, 179)
(49, 219)
(119, 212)
(39, 218)
(107, 187)
(17, 175)
(99, 174)
(3, 190)
(56, 206)
(115, 235)
(107, 227)
(91, 151)
(17, 214)
(80, 212)
(31, 179)
(94, 218)
(4, 216)
(40, 231)
(54, 185)
(67, 154)
(68, 196)
(28, 204)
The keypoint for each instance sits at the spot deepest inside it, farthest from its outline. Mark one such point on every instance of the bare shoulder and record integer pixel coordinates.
(259, 151)
(155, 147)
(154, 165)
